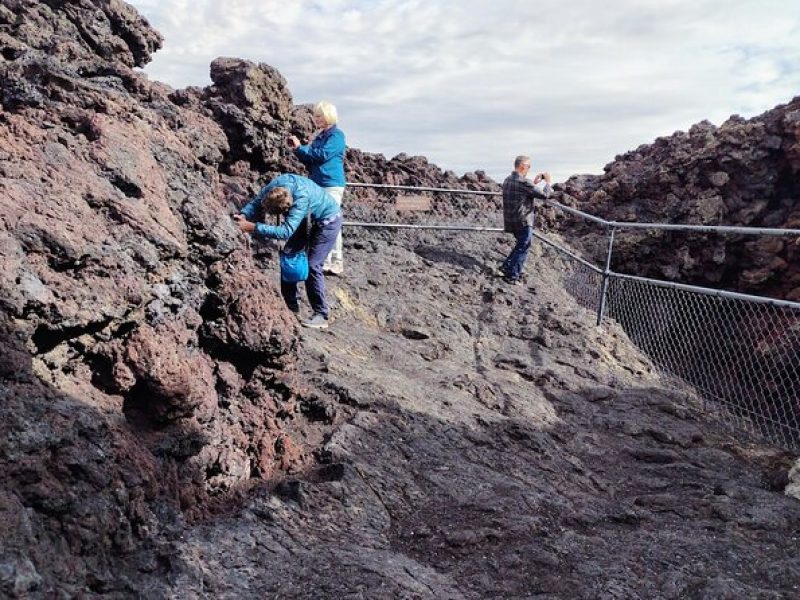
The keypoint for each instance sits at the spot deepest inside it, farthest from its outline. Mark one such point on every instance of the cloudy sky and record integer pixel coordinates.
(472, 83)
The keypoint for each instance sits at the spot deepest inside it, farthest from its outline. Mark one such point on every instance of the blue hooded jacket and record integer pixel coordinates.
(324, 157)
(307, 196)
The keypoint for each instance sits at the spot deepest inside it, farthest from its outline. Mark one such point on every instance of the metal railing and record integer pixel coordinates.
(741, 352)
(379, 205)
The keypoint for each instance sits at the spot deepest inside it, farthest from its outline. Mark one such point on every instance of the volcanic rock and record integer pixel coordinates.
(745, 172)
(166, 430)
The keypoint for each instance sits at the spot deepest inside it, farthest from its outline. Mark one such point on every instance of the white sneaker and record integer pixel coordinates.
(316, 322)
(335, 269)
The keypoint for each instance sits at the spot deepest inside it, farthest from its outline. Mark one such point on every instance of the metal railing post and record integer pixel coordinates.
(601, 309)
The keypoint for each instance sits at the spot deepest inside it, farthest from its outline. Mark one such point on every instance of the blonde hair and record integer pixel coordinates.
(277, 201)
(327, 111)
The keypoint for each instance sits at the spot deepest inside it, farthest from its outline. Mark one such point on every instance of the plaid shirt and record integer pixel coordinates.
(518, 196)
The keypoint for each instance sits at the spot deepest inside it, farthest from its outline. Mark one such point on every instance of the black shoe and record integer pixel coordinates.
(511, 280)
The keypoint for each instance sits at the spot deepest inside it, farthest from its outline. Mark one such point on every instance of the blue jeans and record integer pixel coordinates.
(513, 265)
(320, 240)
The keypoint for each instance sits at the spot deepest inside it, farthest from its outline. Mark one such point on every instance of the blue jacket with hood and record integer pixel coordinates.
(307, 196)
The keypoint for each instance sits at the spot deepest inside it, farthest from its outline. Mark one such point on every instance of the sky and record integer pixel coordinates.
(470, 84)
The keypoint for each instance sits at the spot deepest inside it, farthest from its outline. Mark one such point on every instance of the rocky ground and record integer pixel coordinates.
(167, 430)
(487, 441)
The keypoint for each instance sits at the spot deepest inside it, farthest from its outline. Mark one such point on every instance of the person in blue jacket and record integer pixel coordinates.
(296, 197)
(324, 158)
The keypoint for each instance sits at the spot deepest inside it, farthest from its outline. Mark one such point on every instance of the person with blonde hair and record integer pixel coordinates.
(324, 158)
(312, 221)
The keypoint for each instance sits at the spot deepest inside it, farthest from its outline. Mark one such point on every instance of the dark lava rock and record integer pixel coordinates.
(167, 431)
(744, 172)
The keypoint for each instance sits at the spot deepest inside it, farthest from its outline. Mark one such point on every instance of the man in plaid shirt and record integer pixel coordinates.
(518, 195)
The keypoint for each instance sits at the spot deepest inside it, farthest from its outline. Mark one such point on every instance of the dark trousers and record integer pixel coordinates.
(320, 240)
(513, 265)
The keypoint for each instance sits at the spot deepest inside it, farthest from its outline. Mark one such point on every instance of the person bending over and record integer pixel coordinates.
(296, 197)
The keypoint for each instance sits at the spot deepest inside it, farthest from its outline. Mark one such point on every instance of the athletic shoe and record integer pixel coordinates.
(334, 269)
(316, 322)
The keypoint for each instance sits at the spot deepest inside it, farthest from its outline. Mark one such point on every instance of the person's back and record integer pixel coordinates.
(519, 193)
(324, 157)
(320, 203)
(307, 197)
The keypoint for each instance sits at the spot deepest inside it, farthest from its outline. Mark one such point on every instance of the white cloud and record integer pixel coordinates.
(472, 84)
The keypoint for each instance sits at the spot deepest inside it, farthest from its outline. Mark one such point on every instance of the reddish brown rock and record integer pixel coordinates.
(153, 402)
(122, 394)
(744, 172)
(174, 379)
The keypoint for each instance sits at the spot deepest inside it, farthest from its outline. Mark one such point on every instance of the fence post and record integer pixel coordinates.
(601, 309)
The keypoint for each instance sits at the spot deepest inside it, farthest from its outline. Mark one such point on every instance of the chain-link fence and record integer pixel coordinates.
(742, 356)
(580, 278)
(741, 352)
